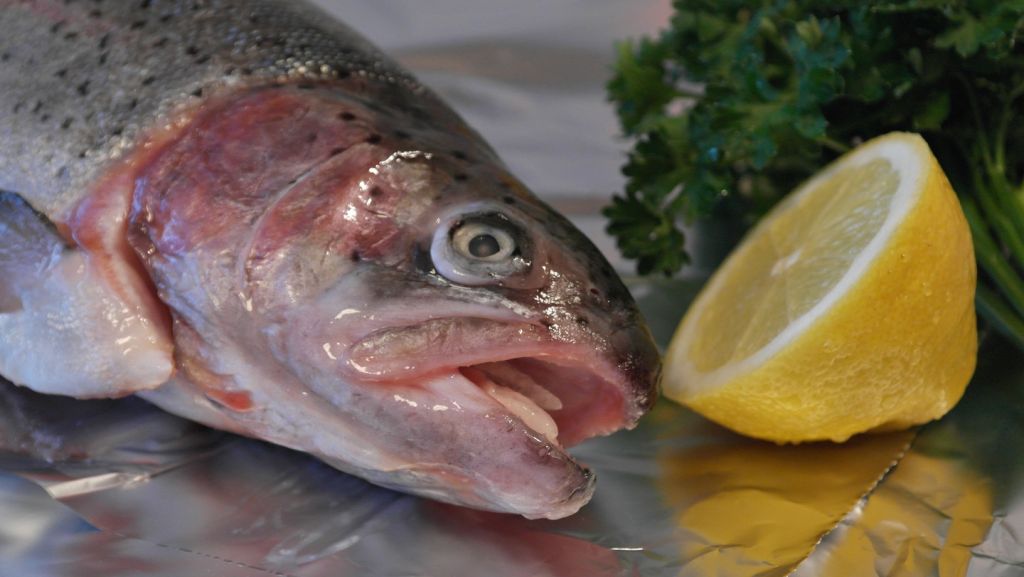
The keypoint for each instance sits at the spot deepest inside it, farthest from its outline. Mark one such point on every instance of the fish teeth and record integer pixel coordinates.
(522, 383)
(532, 415)
(519, 405)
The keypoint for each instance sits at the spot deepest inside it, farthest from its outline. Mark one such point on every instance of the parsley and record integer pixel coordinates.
(737, 102)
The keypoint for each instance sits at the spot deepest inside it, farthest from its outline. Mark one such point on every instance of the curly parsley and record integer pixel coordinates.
(737, 102)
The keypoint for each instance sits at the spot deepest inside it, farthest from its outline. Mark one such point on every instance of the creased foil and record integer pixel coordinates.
(118, 488)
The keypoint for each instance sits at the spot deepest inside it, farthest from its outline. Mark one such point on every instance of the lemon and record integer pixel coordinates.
(848, 308)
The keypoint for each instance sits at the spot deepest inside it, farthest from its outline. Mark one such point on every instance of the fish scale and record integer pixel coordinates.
(82, 80)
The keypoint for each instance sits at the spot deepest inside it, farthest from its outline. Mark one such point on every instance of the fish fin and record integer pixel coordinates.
(186, 399)
(63, 328)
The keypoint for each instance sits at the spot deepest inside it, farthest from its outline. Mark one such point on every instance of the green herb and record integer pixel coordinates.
(738, 102)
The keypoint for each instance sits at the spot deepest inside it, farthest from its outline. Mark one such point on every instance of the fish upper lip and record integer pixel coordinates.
(598, 395)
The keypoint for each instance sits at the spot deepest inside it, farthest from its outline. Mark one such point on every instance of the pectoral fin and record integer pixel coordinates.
(63, 328)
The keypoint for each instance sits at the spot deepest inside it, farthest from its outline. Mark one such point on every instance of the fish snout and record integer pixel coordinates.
(627, 343)
(605, 319)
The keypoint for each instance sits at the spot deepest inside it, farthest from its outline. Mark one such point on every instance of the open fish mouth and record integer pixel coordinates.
(565, 403)
(564, 392)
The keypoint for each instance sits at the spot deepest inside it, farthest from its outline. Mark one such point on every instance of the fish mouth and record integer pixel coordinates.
(564, 392)
(474, 409)
(563, 403)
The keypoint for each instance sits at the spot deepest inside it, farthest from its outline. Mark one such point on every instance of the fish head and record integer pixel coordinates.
(485, 335)
(408, 311)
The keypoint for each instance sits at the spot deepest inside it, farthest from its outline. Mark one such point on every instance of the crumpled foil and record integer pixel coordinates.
(119, 488)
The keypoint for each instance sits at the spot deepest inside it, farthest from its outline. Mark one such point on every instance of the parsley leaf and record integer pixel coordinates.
(736, 102)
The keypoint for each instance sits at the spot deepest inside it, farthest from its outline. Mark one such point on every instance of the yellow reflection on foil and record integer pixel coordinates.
(923, 520)
(746, 507)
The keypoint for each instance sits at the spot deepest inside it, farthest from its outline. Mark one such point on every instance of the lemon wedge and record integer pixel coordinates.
(848, 308)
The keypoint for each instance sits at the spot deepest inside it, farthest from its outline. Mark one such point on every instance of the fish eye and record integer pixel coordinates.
(482, 241)
(479, 249)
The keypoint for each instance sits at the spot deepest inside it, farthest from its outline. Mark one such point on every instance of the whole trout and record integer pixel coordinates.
(245, 213)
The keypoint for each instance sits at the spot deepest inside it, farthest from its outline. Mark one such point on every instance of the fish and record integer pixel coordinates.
(245, 213)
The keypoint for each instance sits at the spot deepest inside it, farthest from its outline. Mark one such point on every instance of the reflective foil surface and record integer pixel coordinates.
(119, 488)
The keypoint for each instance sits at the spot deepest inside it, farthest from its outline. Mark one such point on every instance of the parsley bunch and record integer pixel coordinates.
(737, 102)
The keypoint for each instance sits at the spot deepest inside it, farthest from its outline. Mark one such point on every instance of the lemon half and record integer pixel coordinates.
(849, 307)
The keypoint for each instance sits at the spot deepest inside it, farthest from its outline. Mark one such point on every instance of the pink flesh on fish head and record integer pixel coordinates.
(376, 290)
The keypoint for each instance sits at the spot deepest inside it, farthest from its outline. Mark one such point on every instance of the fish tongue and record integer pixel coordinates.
(521, 383)
(516, 403)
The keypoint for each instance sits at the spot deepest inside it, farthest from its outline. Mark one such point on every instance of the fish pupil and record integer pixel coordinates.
(483, 246)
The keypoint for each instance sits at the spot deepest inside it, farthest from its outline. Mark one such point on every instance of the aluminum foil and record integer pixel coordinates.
(118, 488)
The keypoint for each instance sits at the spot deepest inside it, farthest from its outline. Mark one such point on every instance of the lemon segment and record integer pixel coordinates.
(850, 307)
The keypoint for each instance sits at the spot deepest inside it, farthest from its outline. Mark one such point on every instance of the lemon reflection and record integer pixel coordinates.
(935, 512)
(746, 507)
(923, 520)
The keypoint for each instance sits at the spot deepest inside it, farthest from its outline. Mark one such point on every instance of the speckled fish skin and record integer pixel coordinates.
(262, 223)
(82, 80)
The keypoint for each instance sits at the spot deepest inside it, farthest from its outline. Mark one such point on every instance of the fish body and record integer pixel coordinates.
(247, 214)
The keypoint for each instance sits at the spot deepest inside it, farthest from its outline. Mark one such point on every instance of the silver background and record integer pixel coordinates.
(120, 489)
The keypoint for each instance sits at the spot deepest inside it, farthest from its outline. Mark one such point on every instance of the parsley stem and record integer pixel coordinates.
(999, 211)
(833, 145)
(1013, 206)
(991, 259)
(1004, 123)
(993, 309)
(978, 122)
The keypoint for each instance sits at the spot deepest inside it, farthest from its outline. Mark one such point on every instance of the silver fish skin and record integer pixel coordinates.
(245, 213)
